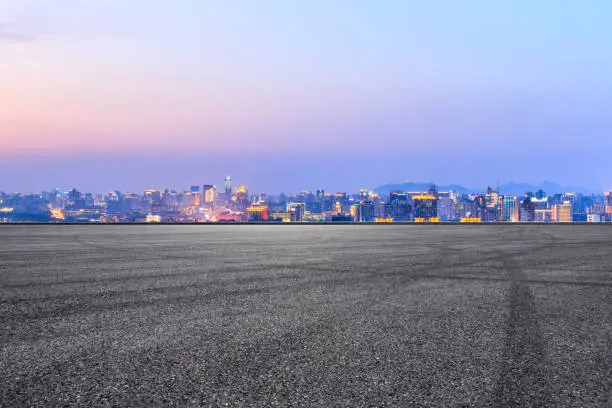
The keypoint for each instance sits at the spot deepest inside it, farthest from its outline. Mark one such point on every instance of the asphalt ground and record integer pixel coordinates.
(321, 316)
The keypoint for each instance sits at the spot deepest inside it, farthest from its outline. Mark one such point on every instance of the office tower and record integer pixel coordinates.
(398, 207)
(363, 212)
(368, 213)
(196, 197)
(356, 212)
(209, 194)
(562, 212)
(228, 189)
(509, 209)
(297, 212)
(425, 207)
(491, 198)
(445, 206)
(527, 211)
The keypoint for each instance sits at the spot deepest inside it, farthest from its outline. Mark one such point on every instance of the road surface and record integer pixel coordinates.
(321, 316)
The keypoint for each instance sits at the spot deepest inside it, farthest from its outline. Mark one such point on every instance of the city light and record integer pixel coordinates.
(205, 204)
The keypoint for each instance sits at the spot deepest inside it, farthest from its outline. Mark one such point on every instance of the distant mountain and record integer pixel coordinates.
(549, 188)
(517, 189)
(417, 186)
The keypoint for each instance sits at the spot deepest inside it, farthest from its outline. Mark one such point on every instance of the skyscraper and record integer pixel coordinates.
(425, 207)
(445, 206)
(527, 211)
(562, 212)
(209, 193)
(398, 207)
(509, 209)
(297, 212)
(195, 194)
(228, 189)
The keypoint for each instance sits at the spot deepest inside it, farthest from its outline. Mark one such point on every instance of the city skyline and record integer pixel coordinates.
(231, 201)
(504, 91)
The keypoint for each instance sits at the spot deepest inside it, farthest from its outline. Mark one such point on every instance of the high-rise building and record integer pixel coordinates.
(209, 194)
(425, 207)
(297, 211)
(491, 198)
(228, 189)
(398, 207)
(562, 212)
(195, 194)
(363, 212)
(527, 211)
(445, 209)
(509, 211)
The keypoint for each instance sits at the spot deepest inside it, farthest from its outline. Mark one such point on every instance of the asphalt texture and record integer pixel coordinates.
(306, 316)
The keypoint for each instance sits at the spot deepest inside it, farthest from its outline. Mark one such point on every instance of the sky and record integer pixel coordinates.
(285, 95)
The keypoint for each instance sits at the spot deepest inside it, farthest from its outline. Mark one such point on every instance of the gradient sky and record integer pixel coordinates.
(423, 90)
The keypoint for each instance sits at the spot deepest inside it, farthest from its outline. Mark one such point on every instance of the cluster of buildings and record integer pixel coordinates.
(208, 203)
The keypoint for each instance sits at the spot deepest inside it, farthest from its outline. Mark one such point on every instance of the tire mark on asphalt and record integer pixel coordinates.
(523, 378)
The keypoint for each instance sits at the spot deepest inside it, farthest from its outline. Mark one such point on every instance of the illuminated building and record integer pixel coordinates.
(491, 198)
(356, 213)
(367, 211)
(228, 189)
(562, 212)
(543, 215)
(527, 211)
(593, 218)
(384, 220)
(297, 211)
(363, 212)
(338, 208)
(398, 207)
(280, 216)
(209, 194)
(314, 217)
(509, 209)
(153, 218)
(363, 194)
(195, 194)
(56, 214)
(445, 206)
(241, 198)
(608, 202)
(257, 213)
(425, 206)
(470, 219)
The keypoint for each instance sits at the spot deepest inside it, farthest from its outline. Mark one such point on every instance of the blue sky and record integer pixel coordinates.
(525, 82)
